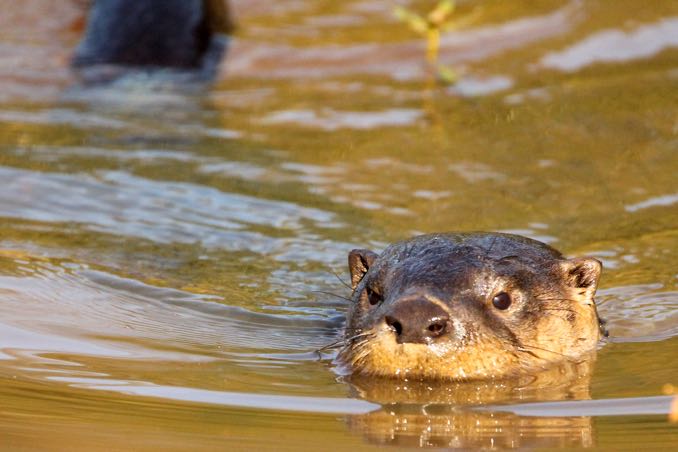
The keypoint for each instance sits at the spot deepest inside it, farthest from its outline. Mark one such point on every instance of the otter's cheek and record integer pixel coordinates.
(570, 332)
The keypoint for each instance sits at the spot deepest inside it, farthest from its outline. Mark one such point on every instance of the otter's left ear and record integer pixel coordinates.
(359, 261)
(582, 274)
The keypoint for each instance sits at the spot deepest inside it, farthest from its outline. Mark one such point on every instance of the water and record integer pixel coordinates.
(166, 254)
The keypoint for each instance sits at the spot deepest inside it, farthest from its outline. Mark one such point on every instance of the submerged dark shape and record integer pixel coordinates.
(468, 306)
(187, 35)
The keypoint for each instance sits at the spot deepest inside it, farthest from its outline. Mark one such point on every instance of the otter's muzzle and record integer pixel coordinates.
(417, 321)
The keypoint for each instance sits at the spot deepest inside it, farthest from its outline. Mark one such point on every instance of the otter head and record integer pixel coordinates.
(468, 306)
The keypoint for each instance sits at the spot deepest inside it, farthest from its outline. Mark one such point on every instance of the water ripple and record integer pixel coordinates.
(100, 314)
(639, 313)
(168, 212)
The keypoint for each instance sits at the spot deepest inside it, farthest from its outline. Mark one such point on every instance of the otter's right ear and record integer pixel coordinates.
(582, 274)
(359, 261)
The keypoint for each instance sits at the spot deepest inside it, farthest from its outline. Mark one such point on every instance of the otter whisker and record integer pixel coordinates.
(353, 330)
(360, 355)
(562, 317)
(357, 348)
(534, 347)
(343, 341)
(571, 311)
(332, 345)
(357, 336)
(344, 283)
(557, 299)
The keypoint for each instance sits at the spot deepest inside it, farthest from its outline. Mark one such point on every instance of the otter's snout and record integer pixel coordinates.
(417, 321)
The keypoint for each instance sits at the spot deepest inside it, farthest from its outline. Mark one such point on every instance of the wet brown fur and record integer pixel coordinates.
(552, 317)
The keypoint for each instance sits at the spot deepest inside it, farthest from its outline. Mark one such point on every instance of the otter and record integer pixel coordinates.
(183, 35)
(468, 306)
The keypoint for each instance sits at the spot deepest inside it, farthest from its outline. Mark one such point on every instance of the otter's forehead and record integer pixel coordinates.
(489, 245)
(461, 260)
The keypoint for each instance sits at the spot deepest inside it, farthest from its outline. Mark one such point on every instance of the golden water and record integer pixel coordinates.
(161, 252)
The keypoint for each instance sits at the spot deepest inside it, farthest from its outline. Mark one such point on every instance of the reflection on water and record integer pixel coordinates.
(665, 200)
(472, 430)
(446, 415)
(333, 120)
(169, 257)
(616, 46)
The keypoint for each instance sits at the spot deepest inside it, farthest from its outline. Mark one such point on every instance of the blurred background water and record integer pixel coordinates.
(163, 250)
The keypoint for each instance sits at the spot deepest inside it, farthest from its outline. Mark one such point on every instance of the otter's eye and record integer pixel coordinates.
(501, 301)
(373, 297)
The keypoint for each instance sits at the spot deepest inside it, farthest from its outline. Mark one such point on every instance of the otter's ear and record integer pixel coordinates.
(359, 261)
(582, 274)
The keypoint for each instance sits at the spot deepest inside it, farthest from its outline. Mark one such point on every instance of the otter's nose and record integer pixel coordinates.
(417, 321)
